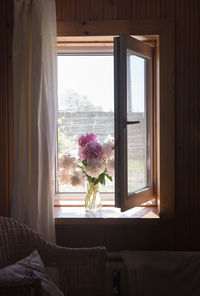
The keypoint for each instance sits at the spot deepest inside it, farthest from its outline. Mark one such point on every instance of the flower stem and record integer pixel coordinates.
(90, 198)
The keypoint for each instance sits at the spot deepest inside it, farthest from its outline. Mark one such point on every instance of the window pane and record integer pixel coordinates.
(85, 104)
(138, 150)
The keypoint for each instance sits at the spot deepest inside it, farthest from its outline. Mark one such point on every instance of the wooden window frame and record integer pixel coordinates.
(123, 199)
(164, 92)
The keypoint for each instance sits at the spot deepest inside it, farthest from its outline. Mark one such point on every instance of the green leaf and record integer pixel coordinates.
(109, 177)
(100, 179)
(103, 181)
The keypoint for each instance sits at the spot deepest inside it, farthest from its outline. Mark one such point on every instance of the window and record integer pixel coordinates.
(162, 35)
(134, 122)
(89, 104)
(85, 104)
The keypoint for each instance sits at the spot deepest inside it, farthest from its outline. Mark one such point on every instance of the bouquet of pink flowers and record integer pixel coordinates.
(96, 163)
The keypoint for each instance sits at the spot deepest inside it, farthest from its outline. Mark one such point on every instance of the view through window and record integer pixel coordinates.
(85, 105)
(137, 148)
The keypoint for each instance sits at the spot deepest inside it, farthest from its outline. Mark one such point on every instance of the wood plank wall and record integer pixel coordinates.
(194, 124)
(186, 15)
(84, 10)
(6, 118)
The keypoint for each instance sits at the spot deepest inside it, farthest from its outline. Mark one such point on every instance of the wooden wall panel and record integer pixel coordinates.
(82, 10)
(6, 147)
(96, 10)
(59, 10)
(182, 123)
(10, 148)
(3, 97)
(116, 236)
(187, 105)
(68, 10)
(194, 79)
(167, 9)
(140, 7)
(125, 9)
(187, 125)
(134, 10)
(110, 9)
(153, 9)
(114, 9)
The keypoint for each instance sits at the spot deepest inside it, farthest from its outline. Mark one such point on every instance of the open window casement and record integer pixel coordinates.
(134, 122)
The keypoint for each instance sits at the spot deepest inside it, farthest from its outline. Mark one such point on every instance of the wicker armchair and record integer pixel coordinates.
(81, 270)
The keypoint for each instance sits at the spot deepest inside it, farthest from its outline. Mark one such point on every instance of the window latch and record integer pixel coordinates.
(131, 122)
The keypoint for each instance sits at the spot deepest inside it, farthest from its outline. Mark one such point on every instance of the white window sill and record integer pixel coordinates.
(107, 213)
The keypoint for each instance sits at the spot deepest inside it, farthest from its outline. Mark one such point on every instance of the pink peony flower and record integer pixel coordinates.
(81, 154)
(84, 140)
(64, 177)
(78, 179)
(67, 162)
(108, 148)
(91, 151)
(111, 167)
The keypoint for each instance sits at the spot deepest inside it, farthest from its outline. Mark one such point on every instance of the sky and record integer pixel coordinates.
(93, 77)
(90, 76)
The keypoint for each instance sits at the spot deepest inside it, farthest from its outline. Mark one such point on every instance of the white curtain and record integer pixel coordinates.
(35, 112)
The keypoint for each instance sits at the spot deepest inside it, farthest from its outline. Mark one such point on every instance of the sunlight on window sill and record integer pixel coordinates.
(80, 203)
(105, 212)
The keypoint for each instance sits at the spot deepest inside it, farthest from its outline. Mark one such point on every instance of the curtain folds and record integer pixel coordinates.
(35, 113)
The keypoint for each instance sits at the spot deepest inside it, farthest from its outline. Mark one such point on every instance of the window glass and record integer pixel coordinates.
(85, 104)
(137, 137)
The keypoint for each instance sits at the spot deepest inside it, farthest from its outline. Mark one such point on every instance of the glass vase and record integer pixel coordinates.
(92, 198)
